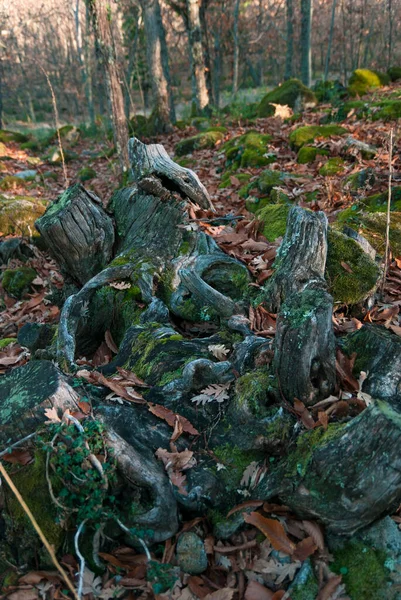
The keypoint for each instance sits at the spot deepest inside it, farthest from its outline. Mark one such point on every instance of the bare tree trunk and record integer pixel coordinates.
(201, 94)
(217, 64)
(166, 65)
(161, 105)
(289, 57)
(82, 62)
(101, 19)
(306, 47)
(236, 46)
(206, 53)
(333, 17)
(390, 32)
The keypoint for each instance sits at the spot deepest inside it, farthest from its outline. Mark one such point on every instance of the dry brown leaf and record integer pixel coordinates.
(51, 414)
(304, 549)
(257, 591)
(18, 457)
(247, 504)
(330, 587)
(108, 338)
(273, 530)
(315, 531)
(223, 594)
(170, 417)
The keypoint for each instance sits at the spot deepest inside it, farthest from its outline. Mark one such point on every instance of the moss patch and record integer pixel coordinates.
(248, 150)
(349, 287)
(251, 392)
(86, 174)
(18, 215)
(17, 281)
(332, 167)
(236, 461)
(306, 444)
(363, 571)
(394, 73)
(6, 342)
(207, 139)
(378, 202)
(363, 80)
(307, 134)
(373, 227)
(274, 220)
(306, 154)
(292, 93)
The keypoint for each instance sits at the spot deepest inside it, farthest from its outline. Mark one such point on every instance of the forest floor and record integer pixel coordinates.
(255, 564)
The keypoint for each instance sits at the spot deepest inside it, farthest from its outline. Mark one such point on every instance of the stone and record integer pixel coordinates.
(27, 175)
(191, 553)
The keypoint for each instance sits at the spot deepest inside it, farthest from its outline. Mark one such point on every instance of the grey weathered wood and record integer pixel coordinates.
(78, 233)
(152, 159)
(301, 258)
(304, 358)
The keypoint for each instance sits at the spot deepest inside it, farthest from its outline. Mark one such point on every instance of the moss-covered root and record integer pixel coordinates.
(349, 475)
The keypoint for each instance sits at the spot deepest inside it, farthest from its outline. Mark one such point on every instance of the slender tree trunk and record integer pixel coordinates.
(1, 96)
(236, 46)
(344, 46)
(201, 93)
(306, 46)
(289, 56)
(165, 64)
(217, 63)
(161, 105)
(333, 17)
(82, 62)
(390, 33)
(206, 53)
(101, 19)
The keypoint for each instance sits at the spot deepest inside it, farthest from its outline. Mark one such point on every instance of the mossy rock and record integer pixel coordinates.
(31, 482)
(306, 154)
(274, 220)
(308, 133)
(86, 174)
(251, 393)
(248, 150)
(332, 167)
(12, 136)
(17, 281)
(292, 93)
(11, 182)
(394, 73)
(387, 110)
(363, 571)
(363, 80)
(378, 202)
(354, 286)
(18, 215)
(226, 181)
(201, 141)
(373, 227)
(361, 179)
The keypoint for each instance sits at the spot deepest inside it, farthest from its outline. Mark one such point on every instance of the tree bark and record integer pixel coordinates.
(200, 91)
(328, 55)
(236, 46)
(161, 104)
(102, 26)
(289, 56)
(306, 42)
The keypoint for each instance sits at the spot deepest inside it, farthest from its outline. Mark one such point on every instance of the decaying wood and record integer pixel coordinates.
(78, 233)
(304, 356)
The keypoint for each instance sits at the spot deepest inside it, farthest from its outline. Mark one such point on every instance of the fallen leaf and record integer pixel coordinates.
(51, 414)
(273, 530)
(170, 417)
(257, 591)
(304, 549)
(219, 351)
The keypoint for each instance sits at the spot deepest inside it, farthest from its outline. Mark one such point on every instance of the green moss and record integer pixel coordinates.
(394, 73)
(378, 202)
(86, 173)
(248, 150)
(300, 456)
(236, 461)
(12, 136)
(363, 80)
(274, 220)
(10, 182)
(31, 482)
(18, 215)
(6, 342)
(226, 181)
(17, 281)
(292, 93)
(373, 227)
(208, 139)
(305, 591)
(332, 167)
(306, 154)
(360, 179)
(349, 287)
(388, 110)
(363, 571)
(308, 133)
(61, 202)
(251, 392)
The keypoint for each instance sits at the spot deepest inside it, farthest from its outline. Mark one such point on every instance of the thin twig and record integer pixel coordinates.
(57, 124)
(38, 530)
(81, 559)
(390, 175)
(18, 443)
